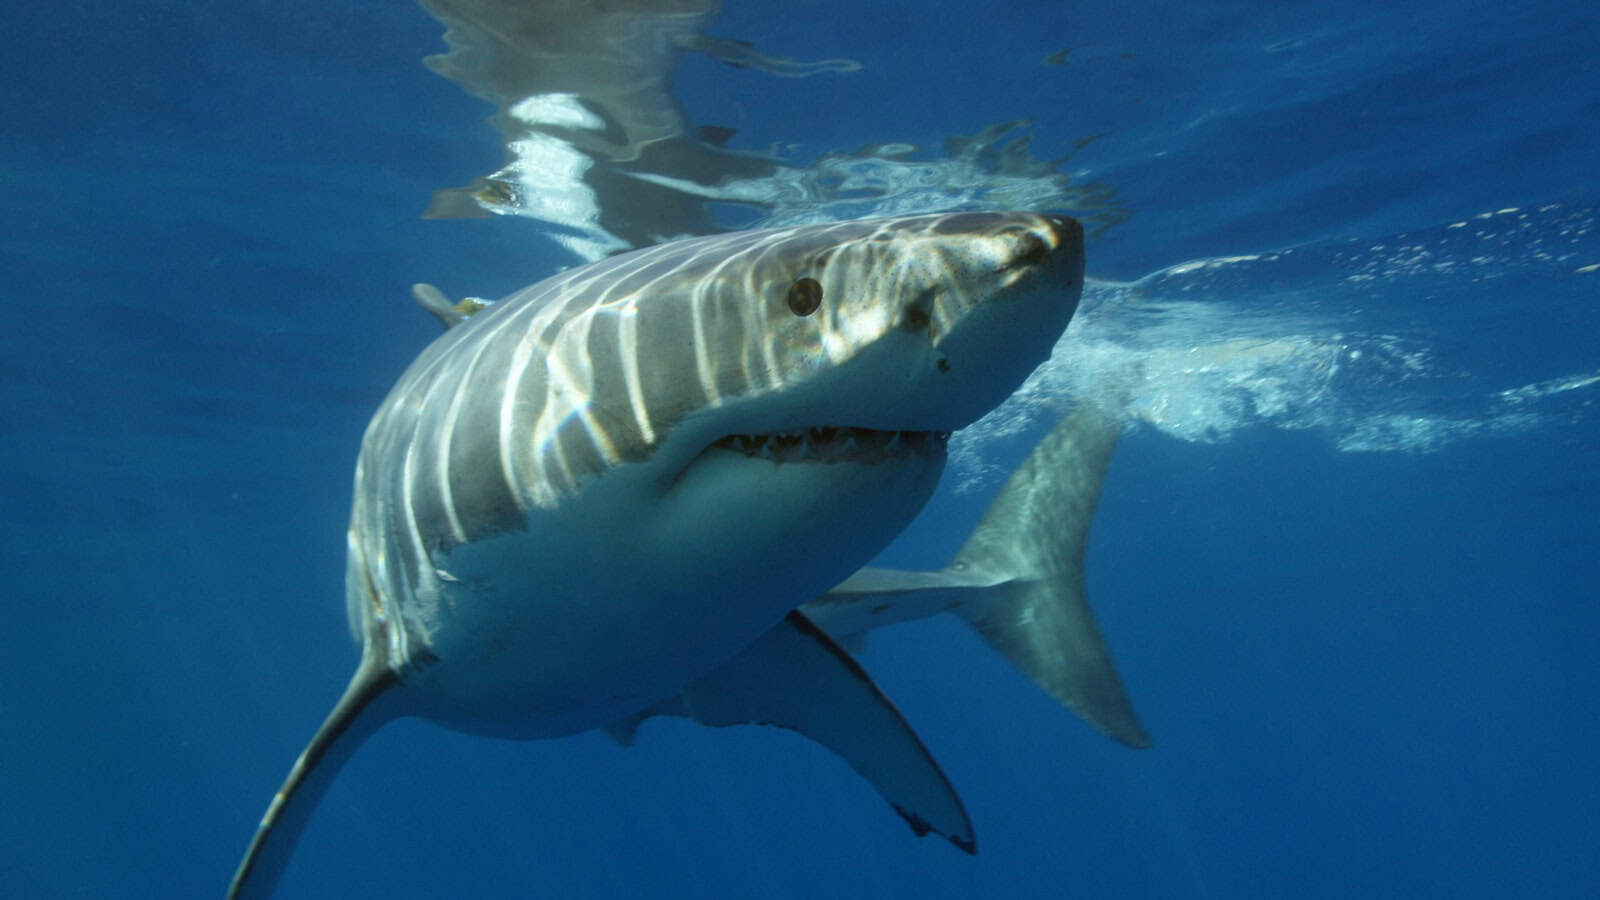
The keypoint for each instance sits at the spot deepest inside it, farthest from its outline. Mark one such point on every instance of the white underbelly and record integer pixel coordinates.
(598, 610)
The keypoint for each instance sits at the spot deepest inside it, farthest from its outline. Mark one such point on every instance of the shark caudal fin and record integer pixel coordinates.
(1031, 544)
(1018, 581)
(354, 718)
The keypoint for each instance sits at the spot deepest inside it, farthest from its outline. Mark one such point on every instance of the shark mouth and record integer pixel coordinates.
(836, 445)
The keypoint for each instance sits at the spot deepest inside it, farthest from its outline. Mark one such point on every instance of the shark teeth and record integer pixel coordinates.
(831, 445)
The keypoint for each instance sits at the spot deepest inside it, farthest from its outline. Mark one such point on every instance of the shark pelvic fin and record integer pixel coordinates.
(1031, 543)
(796, 677)
(354, 718)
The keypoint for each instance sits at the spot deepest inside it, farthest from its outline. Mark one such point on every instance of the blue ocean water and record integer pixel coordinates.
(1345, 299)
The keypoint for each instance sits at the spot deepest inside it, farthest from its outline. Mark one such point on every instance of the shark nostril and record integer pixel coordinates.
(1032, 249)
(1068, 231)
(915, 319)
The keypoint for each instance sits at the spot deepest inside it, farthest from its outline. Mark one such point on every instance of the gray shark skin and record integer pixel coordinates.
(614, 489)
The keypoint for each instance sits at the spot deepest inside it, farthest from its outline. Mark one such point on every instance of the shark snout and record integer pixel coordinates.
(1045, 242)
(988, 341)
(1063, 231)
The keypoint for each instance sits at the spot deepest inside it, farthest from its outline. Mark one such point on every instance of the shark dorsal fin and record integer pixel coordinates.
(439, 306)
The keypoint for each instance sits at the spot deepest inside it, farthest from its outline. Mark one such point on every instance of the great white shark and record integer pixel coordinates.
(1018, 580)
(622, 491)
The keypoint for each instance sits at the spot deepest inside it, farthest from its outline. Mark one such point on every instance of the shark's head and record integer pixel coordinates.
(715, 429)
(819, 372)
(821, 343)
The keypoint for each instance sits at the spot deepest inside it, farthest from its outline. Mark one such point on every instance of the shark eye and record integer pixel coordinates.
(805, 295)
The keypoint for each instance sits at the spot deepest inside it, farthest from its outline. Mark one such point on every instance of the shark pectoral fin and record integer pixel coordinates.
(796, 677)
(1031, 542)
(353, 719)
(853, 644)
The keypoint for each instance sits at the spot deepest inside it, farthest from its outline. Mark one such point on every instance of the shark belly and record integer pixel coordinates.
(623, 596)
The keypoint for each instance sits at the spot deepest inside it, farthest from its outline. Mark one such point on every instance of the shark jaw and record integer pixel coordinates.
(833, 445)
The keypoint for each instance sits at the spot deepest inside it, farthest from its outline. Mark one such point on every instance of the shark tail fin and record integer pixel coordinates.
(353, 719)
(1032, 540)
